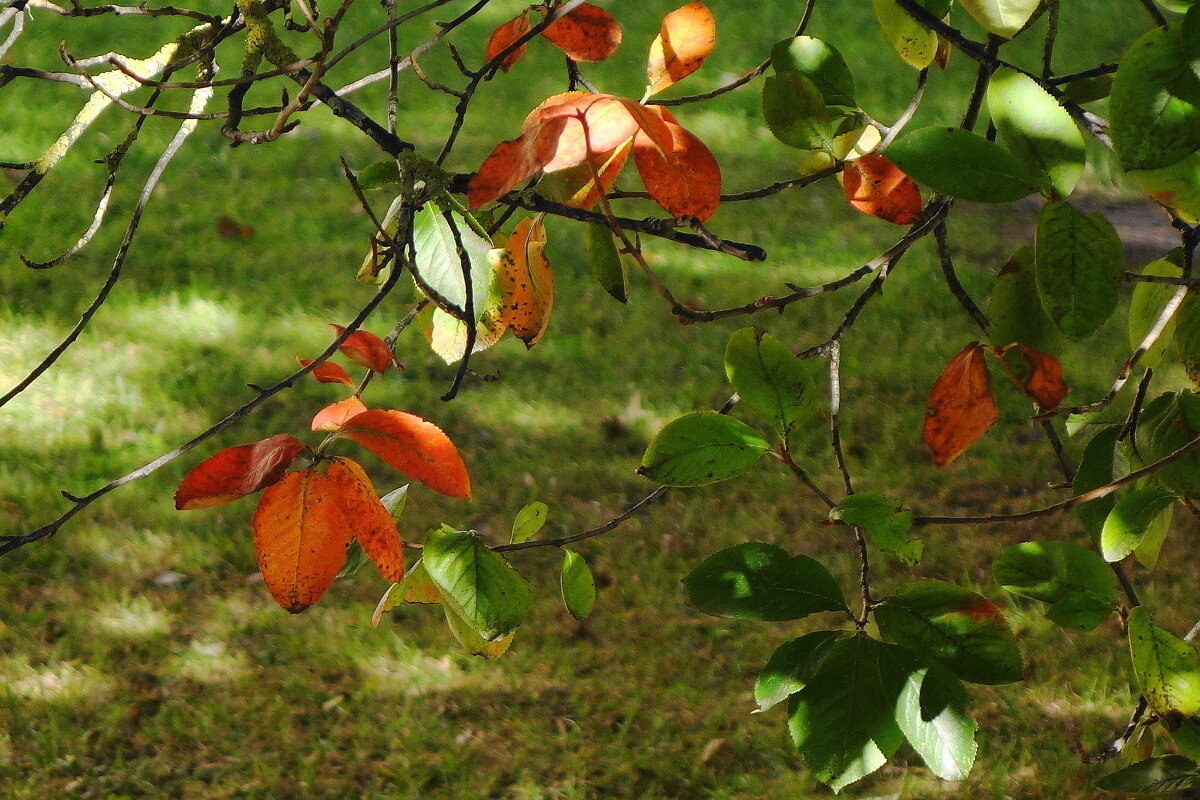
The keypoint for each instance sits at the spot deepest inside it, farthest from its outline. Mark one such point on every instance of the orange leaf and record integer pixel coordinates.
(683, 178)
(366, 349)
(236, 472)
(526, 282)
(513, 162)
(419, 449)
(577, 186)
(587, 33)
(332, 417)
(687, 37)
(961, 406)
(504, 36)
(328, 372)
(301, 532)
(370, 522)
(607, 119)
(1044, 383)
(877, 187)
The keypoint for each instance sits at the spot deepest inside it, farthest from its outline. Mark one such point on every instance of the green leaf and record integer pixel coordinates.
(1187, 337)
(605, 262)
(1001, 17)
(379, 174)
(1096, 470)
(1131, 519)
(1167, 668)
(1176, 186)
(1072, 580)
(1167, 423)
(470, 638)
(487, 593)
(1038, 130)
(961, 164)
(702, 447)
(439, 272)
(791, 666)
(1187, 736)
(770, 379)
(795, 112)
(1148, 549)
(843, 720)
(395, 501)
(821, 63)
(954, 626)
(578, 588)
(1146, 305)
(913, 42)
(885, 524)
(1154, 118)
(760, 581)
(1079, 263)
(1015, 309)
(1162, 775)
(529, 521)
(932, 713)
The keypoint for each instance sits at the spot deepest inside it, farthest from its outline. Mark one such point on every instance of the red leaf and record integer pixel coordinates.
(608, 121)
(328, 372)
(513, 162)
(332, 417)
(1044, 383)
(236, 472)
(686, 38)
(504, 36)
(417, 448)
(370, 522)
(877, 187)
(683, 177)
(301, 532)
(588, 33)
(366, 349)
(961, 406)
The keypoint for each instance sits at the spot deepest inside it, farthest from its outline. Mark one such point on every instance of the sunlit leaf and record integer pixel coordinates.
(504, 36)
(332, 417)
(470, 639)
(1001, 17)
(1039, 131)
(328, 372)
(885, 525)
(529, 521)
(365, 348)
(961, 406)
(1130, 520)
(1148, 549)
(912, 40)
(821, 63)
(448, 336)
(760, 581)
(877, 187)
(526, 282)
(395, 501)
(686, 38)
(592, 124)
(1073, 581)
(683, 177)
(791, 667)
(1176, 186)
(439, 265)
(417, 448)
(1145, 307)
(578, 186)
(578, 587)
(932, 712)
(962, 164)
(513, 162)
(701, 447)
(370, 522)
(770, 380)
(1167, 668)
(586, 33)
(1079, 262)
(477, 582)
(237, 471)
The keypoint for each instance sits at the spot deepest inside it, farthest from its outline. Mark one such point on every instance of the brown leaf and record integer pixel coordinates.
(961, 406)
(683, 178)
(526, 282)
(237, 471)
(301, 532)
(370, 522)
(332, 417)
(513, 162)
(504, 36)
(877, 187)
(587, 33)
(366, 349)
(1044, 383)
(686, 38)
(419, 449)
(328, 372)
(232, 229)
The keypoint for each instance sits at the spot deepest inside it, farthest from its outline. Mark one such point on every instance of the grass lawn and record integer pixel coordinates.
(142, 657)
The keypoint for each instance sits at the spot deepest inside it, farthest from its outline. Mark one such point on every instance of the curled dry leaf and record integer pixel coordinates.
(365, 348)
(686, 38)
(877, 187)
(328, 372)
(301, 532)
(236, 472)
(683, 178)
(331, 418)
(504, 36)
(587, 33)
(526, 282)
(370, 523)
(1044, 383)
(416, 447)
(961, 406)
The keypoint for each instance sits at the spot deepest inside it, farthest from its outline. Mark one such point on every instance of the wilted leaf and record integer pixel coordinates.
(587, 33)
(333, 416)
(1044, 378)
(415, 587)
(877, 187)
(686, 38)
(328, 372)
(477, 582)
(505, 35)
(419, 449)
(760, 581)
(236, 472)
(1079, 262)
(365, 348)
(526, 282)
(370, 522)
(301, 533)
(578, 587)
(701, 447)
(1167, 668)
(961, 406)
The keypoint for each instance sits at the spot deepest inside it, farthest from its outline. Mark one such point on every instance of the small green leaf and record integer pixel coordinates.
(932, 713)
(1096, 470)
(1038, 130)
(578, 588)
(1145, 307)
(821, 63)
(790, 667)
(395, 501)
(885, 524)
(1015, 309)
(605, 262)
(1079, 263)
(913, 42)
(760, 581)
(795, 112)
(1072, 580)
(1159, 776)
(770, 379)
(1001, 17)
(379, 174)
(439, 272)
(1131, 519)
(356, 558)
(487, 593)
(1167, 668)
(1151, 545)
(702, 447)
(529, 521)
(1155, 120)
(955, 626)
(961, 164)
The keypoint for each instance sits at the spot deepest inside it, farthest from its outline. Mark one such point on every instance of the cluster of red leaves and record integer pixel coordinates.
(961, 404)
(586, 33)
(307, 518)
(599, 131)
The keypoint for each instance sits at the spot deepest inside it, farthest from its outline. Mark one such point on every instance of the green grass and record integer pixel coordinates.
(142, 656)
